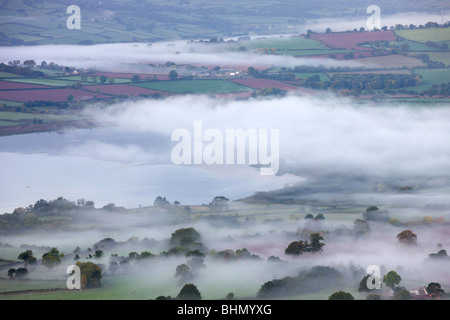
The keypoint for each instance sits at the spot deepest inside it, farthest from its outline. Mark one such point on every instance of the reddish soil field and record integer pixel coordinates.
(123, 89)
(6, 85)
(264, 83)
(49, 94)
(349, 41)
(130, 75)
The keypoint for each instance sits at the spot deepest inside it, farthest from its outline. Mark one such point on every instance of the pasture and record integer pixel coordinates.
(424, 35)
(390, 61)
(194, 86)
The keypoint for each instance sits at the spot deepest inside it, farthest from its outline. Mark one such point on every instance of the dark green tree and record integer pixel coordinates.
(184, 237)
(315, 242)
(296, 248)
(392, 279)
(173, 75)
(27, 257)
(341, 295)
(189, 292)
(52, 258)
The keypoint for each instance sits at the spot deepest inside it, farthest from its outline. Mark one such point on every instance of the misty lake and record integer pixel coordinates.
(109, 165)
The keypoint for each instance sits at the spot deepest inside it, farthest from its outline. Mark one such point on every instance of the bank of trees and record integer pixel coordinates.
(341, 81)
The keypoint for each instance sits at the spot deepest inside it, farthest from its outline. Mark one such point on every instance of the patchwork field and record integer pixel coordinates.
(194, 86)
(350, 40)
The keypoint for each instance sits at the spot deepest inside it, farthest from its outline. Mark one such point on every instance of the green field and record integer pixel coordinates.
(433, 76)
(9, 75)
(285, 44)
(47, 81)
(443, 57)
(414, 46)
(424, 35)
(194, 86)
(294, 46)
(17, 116)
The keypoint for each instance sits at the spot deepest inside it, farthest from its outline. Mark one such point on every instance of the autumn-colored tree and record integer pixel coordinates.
(91, 274)
(407, 237)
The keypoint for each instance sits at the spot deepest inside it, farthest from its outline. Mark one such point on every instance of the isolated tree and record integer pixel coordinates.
(189, 292)
(361, 227)
(98, 254)
(27, 257)
(296, 248)
(407, 237)
(184, 272)
(391, 279)
(52, 258)
(103, 79)
(136, 78)
(84, 77)
(404, 46)
(161, 202)
(91, 274)
(21, 273)
(184, 237)
(434, 289)
(11, 273)
(315, 242)
(341, 295)
(373, 213)
(70, 97)
(219, 203)
(173, 75)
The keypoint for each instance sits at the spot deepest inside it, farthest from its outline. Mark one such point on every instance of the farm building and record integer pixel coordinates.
(417, 294)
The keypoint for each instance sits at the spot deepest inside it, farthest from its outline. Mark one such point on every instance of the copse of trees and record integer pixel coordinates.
(16, 68)
(26, 218)
(299, 247)
(315, 279)
(374, 81)
(18, 273)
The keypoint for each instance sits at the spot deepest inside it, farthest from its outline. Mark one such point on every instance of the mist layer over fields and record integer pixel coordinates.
(336, 156)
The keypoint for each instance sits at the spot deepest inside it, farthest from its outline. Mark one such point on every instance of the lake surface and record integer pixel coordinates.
(110, 165)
